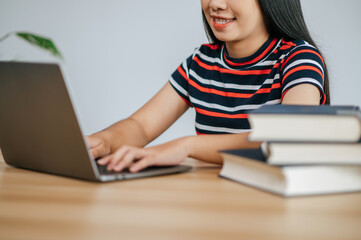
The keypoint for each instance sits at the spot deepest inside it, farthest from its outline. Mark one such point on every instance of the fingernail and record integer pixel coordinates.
(133, 169)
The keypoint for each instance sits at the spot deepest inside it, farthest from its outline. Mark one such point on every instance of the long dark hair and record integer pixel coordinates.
(283, 19)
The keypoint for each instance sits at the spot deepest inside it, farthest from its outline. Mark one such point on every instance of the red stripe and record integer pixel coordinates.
(284, 94)
(268, 90)
(217, 92)
(302, 51)
(233, 94)
(210, 90)
(181, 71)
(221, 115)
(235, 72)
(212, 46)
(289, 43)
(324, 99)
(255, 59)
(300, 68)
(198, 133)
(226, 94)
(187, 102)
(285, 47)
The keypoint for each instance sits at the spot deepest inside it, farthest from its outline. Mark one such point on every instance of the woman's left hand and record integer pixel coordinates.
(136, 159)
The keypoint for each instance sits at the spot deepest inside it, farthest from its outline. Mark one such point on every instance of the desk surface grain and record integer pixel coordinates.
(193, 205)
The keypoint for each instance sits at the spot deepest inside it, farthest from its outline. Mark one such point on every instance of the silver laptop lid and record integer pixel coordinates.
(38, 126)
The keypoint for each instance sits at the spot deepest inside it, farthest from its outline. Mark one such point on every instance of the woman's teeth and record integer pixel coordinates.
(222, 21)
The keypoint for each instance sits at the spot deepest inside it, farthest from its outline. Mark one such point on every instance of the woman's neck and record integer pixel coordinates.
(246, 47)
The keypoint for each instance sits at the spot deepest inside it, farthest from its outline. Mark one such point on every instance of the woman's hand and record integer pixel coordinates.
(136, 159)
(99, 146)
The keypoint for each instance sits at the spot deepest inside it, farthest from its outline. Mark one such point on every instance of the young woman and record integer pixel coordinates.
(260, 53)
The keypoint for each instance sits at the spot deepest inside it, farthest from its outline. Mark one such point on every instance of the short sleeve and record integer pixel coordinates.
(180, 79)
(304, 64)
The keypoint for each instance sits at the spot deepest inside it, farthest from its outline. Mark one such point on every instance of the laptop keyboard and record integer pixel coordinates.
(104, 171)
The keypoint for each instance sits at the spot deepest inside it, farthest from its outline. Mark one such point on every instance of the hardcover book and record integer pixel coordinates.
(295, 153)
(305, 123)
(250, 167)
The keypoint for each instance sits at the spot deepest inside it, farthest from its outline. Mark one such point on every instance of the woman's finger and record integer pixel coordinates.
(127, 159)
(93, 141)
(141, 164)
(124, 157)
(104, 160)
(116, 157)
(98, 147)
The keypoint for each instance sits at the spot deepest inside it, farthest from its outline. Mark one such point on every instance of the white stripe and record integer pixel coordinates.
(274, 48)
(221, 84)
(184, 65)
(270, 80)
(295, 48)
(231, 109)
(302, 80)
(305, 44)
(300, 62)
(211, 59)
(214, 60)
(272, 102)
(308, 45)
(208, 59)
(217, 60)
(222, 60)
(231, 85)
(267, 63)
(220, 129)
(178, 87)
(282, 57)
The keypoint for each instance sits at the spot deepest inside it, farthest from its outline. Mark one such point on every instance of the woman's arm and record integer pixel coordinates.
(143, 126)
(305, 94)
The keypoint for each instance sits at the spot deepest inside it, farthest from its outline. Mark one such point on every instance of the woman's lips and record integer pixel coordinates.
(221, 23)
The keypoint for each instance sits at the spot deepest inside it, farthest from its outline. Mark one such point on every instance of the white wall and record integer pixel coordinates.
(119, 53)
(336, 27)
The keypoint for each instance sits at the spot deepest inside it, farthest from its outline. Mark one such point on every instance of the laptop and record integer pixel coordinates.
(39, 129)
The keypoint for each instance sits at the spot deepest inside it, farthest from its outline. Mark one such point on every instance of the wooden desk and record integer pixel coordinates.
(194, 205)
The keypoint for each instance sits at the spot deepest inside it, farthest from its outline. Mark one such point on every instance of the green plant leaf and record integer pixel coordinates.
(42, 42)
(4, 37)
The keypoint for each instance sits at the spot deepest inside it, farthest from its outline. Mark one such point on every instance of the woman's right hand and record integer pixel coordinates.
(99, 146)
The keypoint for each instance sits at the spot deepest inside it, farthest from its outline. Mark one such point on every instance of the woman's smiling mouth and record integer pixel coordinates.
(220, 23)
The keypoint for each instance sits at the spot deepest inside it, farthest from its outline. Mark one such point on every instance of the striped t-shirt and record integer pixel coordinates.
(223, 89)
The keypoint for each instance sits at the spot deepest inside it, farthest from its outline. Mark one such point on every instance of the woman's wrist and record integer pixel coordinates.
(206, 147)
(188, 145)
(199, 148)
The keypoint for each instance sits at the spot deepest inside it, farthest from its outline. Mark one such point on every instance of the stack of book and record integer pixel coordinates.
(306, 150)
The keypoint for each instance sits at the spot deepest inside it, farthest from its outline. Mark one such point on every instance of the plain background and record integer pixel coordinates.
(119, 53)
